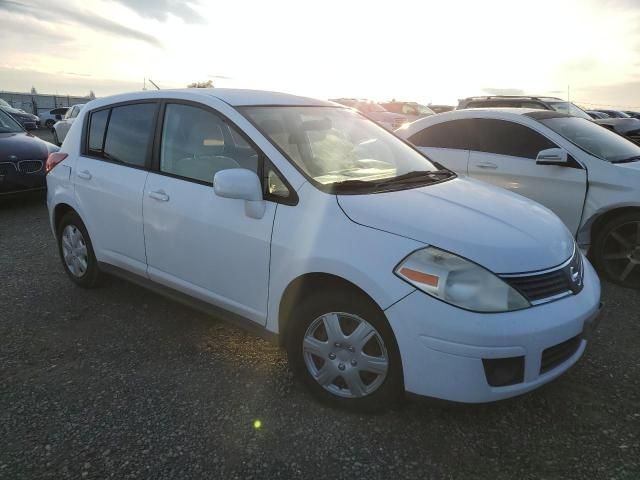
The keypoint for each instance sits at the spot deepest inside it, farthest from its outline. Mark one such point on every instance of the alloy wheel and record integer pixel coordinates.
(621, 255)
(74, 251)
(345, 354)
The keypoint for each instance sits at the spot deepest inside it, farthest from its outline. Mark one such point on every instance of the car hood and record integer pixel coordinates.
(497, 229)
(23, 146)
(620, 125)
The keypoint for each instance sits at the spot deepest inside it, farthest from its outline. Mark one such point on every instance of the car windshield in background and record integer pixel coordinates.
(8, 124)
(569, 109)
(342, 151)
(594, 139)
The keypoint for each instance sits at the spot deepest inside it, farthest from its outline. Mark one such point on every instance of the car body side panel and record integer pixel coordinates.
(316, 236)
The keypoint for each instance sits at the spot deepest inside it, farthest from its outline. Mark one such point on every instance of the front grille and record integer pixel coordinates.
(546, 286)
(6, 168)
(558, 354)
(30, 166)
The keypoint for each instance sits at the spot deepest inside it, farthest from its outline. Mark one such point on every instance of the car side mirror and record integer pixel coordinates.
(241, 184)
(553, 156)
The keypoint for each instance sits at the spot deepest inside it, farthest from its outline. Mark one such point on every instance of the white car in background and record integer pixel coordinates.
(61, 127)
(49, 117)
(303, 220)
(586, 174)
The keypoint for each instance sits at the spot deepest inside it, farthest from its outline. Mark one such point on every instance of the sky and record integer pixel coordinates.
(422, 50)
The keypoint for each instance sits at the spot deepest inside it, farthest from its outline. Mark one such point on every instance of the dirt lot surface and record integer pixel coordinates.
(121, 383)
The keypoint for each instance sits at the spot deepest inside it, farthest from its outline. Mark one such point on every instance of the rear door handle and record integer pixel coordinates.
(85, 174)
(159, 195)
(487, 165)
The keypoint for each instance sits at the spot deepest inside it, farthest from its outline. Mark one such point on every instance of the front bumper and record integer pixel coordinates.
(447, 352)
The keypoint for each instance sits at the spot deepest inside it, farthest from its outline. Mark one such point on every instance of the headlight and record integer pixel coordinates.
(459, 282)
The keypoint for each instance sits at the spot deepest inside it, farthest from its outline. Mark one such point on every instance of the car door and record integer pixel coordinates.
(506, 157)
(109, 181)
(448, 143)
(196, 242)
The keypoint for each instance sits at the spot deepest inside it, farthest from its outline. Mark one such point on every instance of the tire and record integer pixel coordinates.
(76, 252)
(49, 123)
(616, 250)
(55, 138)
(313, 355)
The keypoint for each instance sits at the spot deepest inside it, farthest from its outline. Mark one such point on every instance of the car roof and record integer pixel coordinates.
(232, 96)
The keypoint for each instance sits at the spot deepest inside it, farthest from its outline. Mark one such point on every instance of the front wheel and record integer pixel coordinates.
(617, 250)
(342, 347)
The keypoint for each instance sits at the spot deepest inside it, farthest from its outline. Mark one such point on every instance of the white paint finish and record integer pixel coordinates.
(198, 240)
(111, 204)
(502, 232)
(190, 239)
(560, 189)
(316, 236)
(577, 197)
(451, 158)
(442, 352)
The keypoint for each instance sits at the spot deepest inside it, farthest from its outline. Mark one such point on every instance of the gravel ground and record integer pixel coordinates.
(121, 383)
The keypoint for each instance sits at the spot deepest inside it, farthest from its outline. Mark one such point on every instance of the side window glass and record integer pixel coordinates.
(197, 143)
(68, 114)
(455, 134)
(275, 185)
(97, 127)
(509, 138)
(129, 133)
(74, 112)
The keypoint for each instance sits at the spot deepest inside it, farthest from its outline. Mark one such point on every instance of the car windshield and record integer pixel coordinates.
(422, 110)
(340, 150)
(8, 124)
(594, 139)
(569, 109)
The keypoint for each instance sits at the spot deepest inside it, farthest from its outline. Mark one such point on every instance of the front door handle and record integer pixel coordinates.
(85, 174)
(487, 165)
(159, 195)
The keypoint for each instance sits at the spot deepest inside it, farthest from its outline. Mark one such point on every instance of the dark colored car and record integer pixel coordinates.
(597, 115)
(22, 158)
(27, 120)
(633, 114)
(627, 127)
(615, 113)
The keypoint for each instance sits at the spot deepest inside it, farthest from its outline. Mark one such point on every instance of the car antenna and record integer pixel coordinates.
(154, 84)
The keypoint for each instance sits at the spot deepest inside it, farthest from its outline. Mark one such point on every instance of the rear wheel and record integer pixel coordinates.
(76, 251)
(342, 347)
(617, 250)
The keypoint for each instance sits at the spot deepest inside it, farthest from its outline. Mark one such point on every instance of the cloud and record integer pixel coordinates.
(63, 14)
(161, 9)
(503, 91)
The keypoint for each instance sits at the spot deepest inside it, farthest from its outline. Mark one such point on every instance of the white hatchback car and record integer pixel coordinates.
(61, 127)
(378, 270)
(586, 174)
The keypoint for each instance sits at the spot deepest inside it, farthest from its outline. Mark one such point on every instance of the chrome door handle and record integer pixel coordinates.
(159, 195)
(85, 174)
(487, 165)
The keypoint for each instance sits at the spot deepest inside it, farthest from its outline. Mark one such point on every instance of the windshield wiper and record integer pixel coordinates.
(627, 160)
(405, 179)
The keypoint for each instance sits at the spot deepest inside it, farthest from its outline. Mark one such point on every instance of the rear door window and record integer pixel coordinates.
(130, 133)
(455, 134)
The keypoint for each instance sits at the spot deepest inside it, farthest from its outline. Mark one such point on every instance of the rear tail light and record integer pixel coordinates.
(52, 160)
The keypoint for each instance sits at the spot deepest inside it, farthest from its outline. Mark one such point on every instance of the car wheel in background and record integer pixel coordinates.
(342, 347)
(76, 251)
(617, 250)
